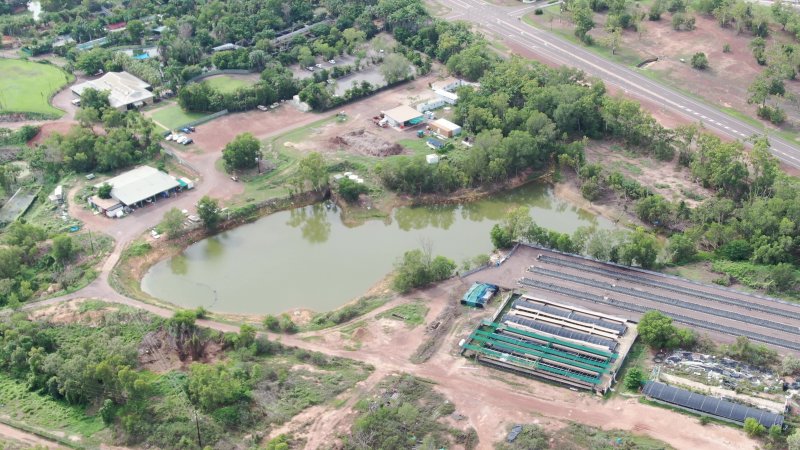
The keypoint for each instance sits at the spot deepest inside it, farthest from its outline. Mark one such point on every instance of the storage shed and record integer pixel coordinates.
(403, 116)
(434, 144)
(444, 127)
(479, 294)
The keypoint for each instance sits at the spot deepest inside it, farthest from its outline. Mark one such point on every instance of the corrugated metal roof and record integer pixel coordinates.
(123, 88)
(445, 124)
(140, 184)
(402, 113)
(710, 405)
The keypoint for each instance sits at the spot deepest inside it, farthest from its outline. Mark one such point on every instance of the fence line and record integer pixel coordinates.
(473, 270)
(199, 121)
(181, 161)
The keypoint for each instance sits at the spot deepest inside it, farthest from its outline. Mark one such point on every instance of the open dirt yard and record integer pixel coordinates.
(213, 136)
(489, 399)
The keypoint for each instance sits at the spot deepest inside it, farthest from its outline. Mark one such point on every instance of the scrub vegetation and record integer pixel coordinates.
(119, 376)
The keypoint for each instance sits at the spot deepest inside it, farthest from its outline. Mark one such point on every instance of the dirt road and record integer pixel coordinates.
(25, 438)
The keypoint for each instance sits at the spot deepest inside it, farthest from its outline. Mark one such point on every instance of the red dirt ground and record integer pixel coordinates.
(492, 399)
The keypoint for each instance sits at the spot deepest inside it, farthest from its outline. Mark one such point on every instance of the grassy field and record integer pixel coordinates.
(227, 83)
(412, 314)
(419, 146)
(173, 116)
(41, 411)
(27, 86)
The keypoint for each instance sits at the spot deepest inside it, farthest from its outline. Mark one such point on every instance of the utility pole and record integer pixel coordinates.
(197, 423)
(91, 241)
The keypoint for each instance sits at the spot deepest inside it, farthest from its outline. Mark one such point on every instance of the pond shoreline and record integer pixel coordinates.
(131, 271)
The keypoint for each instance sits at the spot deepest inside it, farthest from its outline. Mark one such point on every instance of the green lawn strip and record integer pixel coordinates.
(225, 83)
(412, 314)
(419, 146)
(754, 276)
(344, 314)
(637, 357)
(28, 86)
(23, 406)
(173, 116)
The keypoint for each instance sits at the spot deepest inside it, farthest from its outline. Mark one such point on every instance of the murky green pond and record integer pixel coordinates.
(308, 258)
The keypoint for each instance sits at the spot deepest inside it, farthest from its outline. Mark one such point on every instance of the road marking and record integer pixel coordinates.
(462, 4)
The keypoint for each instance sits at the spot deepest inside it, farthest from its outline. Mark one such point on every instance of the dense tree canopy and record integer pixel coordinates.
(242, 152)
(657, 331)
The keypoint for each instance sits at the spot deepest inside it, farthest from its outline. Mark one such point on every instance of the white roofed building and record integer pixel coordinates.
(125, 91)
(403, 116)
(135, 188)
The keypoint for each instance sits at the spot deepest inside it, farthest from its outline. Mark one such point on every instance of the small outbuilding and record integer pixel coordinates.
(433, 158)
(451, 98)
(479, 294)
(434, 143)
(449, 84)
(403, 116)
(444, 127)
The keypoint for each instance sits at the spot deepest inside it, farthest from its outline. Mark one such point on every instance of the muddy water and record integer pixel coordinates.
(308, 258)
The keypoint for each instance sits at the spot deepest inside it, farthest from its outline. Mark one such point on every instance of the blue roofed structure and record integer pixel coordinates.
(479, 294)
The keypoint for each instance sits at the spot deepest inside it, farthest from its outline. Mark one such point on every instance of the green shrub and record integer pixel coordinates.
(634, 379)
(699, 61)
(104, 191)
(350, 190)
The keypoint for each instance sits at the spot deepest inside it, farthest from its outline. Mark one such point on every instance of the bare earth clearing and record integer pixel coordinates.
(729, 75)
(488, 398)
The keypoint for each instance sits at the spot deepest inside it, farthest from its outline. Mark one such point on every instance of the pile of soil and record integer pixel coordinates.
(366, 143)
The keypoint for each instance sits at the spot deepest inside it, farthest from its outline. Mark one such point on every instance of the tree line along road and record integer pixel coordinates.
(506, 23)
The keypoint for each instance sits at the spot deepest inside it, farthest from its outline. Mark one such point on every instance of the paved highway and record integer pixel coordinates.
(505, 22)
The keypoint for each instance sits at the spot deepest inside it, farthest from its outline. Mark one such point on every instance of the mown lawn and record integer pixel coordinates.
(226, 83)
(173, 116)
(27, 86)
